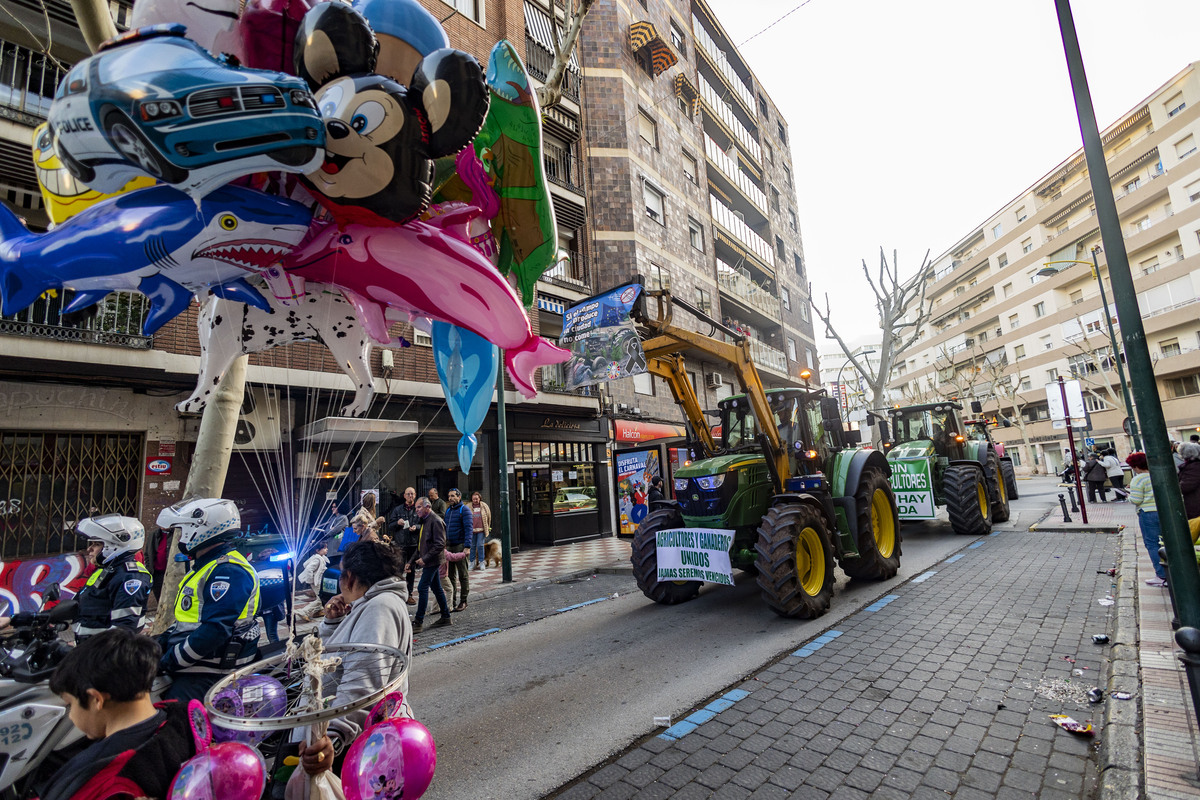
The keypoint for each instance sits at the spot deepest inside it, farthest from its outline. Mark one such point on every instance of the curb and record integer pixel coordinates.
(515, 586)
(1120, 752)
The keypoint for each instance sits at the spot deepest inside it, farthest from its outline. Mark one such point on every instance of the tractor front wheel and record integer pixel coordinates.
(878, 530)
(999, 489)
(644, 559)
(1010, 478)
(965, 489)
(795, 561)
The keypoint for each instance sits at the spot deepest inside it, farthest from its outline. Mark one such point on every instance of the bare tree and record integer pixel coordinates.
(1006, 383)
(903, 310)
(550, 92)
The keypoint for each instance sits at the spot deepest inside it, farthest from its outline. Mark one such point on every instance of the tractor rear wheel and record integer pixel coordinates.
(644, 559)
(998, 488)
(1010, 478)
(795, 561)
(878, 530)
(965, 490)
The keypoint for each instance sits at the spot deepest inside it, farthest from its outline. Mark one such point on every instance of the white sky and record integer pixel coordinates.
(911, 123)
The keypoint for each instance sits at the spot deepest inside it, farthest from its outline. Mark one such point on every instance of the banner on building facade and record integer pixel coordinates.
(635, 471)
(601, 337)
(694, 554)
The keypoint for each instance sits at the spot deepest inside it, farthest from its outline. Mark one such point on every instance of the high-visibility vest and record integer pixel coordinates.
(189, 603)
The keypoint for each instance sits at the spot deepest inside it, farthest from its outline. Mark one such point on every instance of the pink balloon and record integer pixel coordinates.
(426, 269)
(420, 756)
(268, 30)
(229, 771)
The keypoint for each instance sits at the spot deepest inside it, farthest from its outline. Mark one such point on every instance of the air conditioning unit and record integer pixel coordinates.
(715, 380)
(260, 420)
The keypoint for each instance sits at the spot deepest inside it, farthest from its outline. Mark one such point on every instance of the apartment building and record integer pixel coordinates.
(1004, 325)
(88, 402)
(692, 189)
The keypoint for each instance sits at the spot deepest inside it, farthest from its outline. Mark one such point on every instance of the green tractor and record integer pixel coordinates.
(978, 430)
(791, 516)
(938, 460)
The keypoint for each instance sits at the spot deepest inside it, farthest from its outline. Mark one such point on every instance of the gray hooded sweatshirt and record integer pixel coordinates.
(378, 617)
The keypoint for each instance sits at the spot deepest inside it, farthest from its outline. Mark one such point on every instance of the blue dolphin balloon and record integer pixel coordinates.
(466, 365)
(156, 241)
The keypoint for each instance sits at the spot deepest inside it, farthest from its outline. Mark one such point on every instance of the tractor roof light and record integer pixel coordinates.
(810, 454)
(960, 438)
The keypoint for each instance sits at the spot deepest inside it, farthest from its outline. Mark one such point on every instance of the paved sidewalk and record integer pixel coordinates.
(548, 563)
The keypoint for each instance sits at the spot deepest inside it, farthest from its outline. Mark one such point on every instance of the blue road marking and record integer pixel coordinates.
(463, 639)
(952, 559)
(816, 644)
(698, 718)
(883, 601)
(581, 605)
(924, 576)
(973, 546)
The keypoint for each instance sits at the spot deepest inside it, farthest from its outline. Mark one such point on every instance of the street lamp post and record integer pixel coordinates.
(1047, 269)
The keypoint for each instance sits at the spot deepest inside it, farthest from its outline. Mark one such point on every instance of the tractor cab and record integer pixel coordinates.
(933, 428)
(796, 416)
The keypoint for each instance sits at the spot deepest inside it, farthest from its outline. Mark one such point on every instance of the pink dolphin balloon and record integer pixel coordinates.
(425, 270)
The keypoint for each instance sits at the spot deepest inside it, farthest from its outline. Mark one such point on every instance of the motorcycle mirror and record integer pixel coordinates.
(64, 612)
(976, 407)
(52, 593)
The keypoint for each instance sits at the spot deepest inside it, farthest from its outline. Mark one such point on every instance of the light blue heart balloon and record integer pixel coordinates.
(466, 366)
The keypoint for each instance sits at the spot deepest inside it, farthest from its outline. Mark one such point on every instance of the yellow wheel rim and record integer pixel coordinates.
(983, 503)
(1003, 488)
(883, 524)
(810, 562)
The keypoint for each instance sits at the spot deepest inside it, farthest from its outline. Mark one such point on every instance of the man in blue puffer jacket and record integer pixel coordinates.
(459, 526)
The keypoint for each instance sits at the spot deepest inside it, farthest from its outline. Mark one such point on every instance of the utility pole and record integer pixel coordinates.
(1185, 579)
(206, 476)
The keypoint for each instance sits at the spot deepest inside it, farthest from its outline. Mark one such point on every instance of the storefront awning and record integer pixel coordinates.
(353, 430)
(662, 57)
(629, 431)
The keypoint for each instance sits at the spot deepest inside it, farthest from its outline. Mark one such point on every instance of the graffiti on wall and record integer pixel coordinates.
(22, 583)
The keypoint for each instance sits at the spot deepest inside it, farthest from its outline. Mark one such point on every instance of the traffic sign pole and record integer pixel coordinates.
(1074, 457)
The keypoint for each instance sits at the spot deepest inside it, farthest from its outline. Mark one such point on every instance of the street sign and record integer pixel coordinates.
(1074, 400)
(1088, 441)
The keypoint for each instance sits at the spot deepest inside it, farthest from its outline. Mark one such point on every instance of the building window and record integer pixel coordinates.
(792, 219)
(1039, 309)
(785, 297)
(1192, 190)
(812, 358)
(471, 9)
(1046, 341)
(791, 349)
(1051, 375)
(780, 250)
(1027, 246)
(702, 301)
(997, 230)
(782, 131)
(678, 40)
(769, 152)
(689, 167)
(659, 278)
(655, 204)
(1133, 184)
(1002, 261)
(1018, 351)
(421, 338)
(1007, 289)
(696, 234)
(1185, 146)
(1175, 104)
(787, 173)
(804, 311)
(1149, 265)
(1026, 384)
(647, 129)
(644, 384)
(799, 265)
(774, 198)
(1021, 215)
(1182, 387)
(762, 106)
(1141, 224)
(1169, 347)
(1094, 404)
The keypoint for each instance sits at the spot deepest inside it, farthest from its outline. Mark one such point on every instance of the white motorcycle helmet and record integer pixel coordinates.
(119, 535)
(201, 521)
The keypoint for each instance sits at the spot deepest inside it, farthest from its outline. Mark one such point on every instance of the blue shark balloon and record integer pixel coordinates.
(156, 241)
(466, 365)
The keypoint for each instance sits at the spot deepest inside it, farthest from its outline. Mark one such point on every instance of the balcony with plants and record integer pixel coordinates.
(116, 320)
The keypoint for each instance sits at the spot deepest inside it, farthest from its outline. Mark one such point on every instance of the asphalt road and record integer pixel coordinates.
(518, 713)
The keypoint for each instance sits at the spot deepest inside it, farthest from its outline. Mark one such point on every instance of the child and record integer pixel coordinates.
(136, 746)
(1141, 494)
(314, 569)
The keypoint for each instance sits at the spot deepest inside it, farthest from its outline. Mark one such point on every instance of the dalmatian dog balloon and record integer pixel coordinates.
(382, 135)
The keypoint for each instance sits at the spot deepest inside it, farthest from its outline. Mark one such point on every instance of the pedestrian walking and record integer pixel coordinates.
(429, 557)
(1095, 474)
(1189, 485)
(1141, 494)
(1116, 475)
(310, 576)
(436, 503)
(458, 539)
(405, 528)
(481, 527)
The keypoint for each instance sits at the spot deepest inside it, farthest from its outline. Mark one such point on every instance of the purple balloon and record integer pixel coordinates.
(229, 771)
(252, 697)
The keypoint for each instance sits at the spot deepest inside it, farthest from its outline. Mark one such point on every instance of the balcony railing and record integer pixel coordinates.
(766, 356)
(725, 112)
(27, 80)
(737, 283)
(722, 61)
(117, 320)
(741, 231)
(729, 168)
(538, 63)
(572, 271)
(562, 167)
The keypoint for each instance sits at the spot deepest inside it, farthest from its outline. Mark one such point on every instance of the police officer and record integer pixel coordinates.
(115, 594)
(215, 629)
